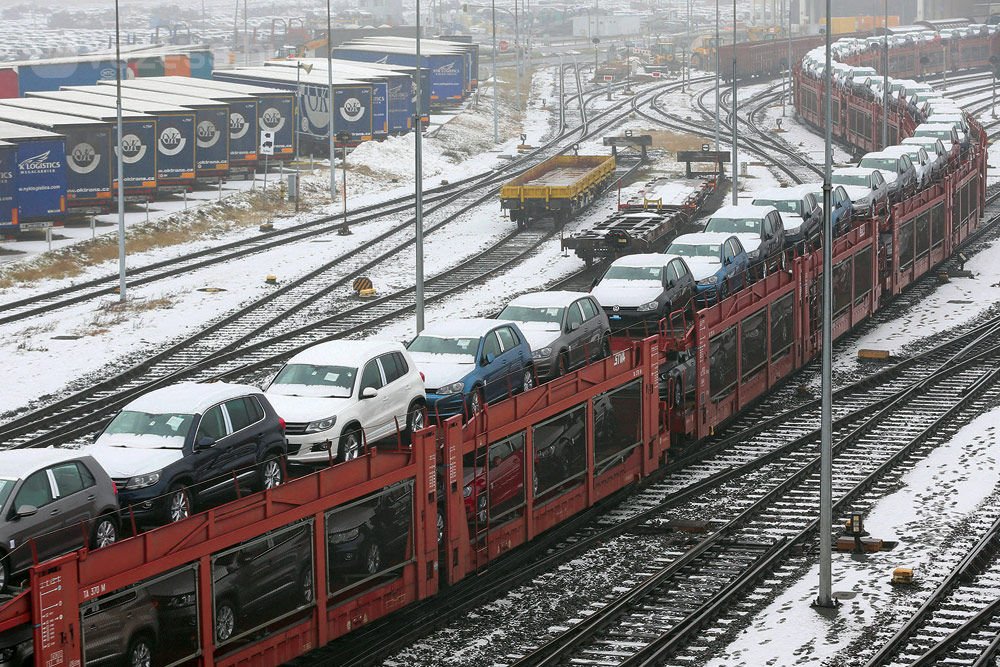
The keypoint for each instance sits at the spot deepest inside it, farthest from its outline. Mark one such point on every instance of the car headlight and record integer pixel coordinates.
(711, 280)
(542, 353)
(142, 481)
(176, 601)
(321, 425)
(453, 388)
(345, 536)
(546, 452)
(467, 491)
(652, 305)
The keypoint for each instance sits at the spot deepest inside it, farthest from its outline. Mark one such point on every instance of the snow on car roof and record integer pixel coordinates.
(347, 352)
(854, 171)
(781, 194)
(643, 259)
(935, 127)
(555, 299)
(467, 328)
(189, 397)
(742, 211)
(22, 462)
(703, 237)
(896, 151)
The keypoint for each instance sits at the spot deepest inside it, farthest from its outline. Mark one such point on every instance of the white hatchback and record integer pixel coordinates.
(339, 395)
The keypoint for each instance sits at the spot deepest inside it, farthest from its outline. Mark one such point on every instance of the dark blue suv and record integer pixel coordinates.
(468, 363)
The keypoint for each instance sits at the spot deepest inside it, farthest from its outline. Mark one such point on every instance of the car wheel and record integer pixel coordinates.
(105, 532)
(140, 652)
(482, 508)
(528, 379)
(476, 401)
(306, 592)
(415, 419)
(350, 445)
(271, 473)
(723, 291)
(605, 347)
(4, 573)
(225, 622)
(440, 527)
(178, 503)
(534, 482)
(562, 365)
(373, 559)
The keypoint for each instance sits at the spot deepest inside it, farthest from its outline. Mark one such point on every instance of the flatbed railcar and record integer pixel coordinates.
(559, 187)
(615, 421)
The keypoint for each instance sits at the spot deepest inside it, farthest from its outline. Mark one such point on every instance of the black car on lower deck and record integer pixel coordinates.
(372, 535)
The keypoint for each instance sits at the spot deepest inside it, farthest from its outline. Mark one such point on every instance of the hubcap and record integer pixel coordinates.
(225, 623)
(529, 380)
(307, 586)
(141, 655)
(351, 447)
(272, 474)
(416, 419)
(440, 527)
(476, 403)
(179, 506)
(374, 559)
(106, 533)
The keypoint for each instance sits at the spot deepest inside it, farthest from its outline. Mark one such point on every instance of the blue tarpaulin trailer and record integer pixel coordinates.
(447, 70)
(352, 100)
(138, 141)
(175, 132)
(58, 72)
(244, 134)
(8, 186)
(211, 127)
(89, 158)
(40, 174)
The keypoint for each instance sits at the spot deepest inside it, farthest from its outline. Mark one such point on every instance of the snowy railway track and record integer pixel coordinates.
(754, 524)
(959, 623)
(297, 311)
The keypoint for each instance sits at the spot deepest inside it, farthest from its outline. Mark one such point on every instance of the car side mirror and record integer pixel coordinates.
(369, 392)
(204, 442)
(488, 359)
(26, 510)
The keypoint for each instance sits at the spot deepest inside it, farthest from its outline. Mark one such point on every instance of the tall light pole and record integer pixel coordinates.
(825, 597)
(517, 57)
(496, 116)
(418, 177)
(735, 169)
(718, 55)
(121, 161)
(885, 77)
(329, 83)
(246, 36)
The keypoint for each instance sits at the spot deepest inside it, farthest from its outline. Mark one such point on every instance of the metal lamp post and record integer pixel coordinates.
(418, 177)
(496, 116)
(121, 162)
(885, 76)
(329, 83)
(718, 74)
(735, 158)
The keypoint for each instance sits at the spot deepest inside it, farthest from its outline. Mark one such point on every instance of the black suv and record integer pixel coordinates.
(370, 536)
(189, 442)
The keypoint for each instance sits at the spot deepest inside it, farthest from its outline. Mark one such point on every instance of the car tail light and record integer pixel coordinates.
(281, 423)
(114, 487)
(422, 378)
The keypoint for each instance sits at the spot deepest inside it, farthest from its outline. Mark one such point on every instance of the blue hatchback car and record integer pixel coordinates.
(469, 363)
(717, 261)
(842, 211)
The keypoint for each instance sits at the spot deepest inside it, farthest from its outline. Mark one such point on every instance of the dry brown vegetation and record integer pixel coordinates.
(111, 313)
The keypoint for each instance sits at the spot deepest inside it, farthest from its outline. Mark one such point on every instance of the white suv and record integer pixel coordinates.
(339, 395)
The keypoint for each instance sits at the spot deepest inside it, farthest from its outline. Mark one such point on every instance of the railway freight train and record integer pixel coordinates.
(356, 541)
(924, 49)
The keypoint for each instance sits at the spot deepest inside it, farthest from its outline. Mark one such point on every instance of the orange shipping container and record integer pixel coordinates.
(176, 65)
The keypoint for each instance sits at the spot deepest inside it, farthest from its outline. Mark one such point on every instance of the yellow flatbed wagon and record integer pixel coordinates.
(559, 187)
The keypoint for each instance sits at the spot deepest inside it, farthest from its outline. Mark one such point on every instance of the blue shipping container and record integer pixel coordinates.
(212, 140)
(8, 185)
(41, 180)
(243, 133)
(175, 146)
(352, 105)
(34, 78)
(401, 107)
(447, 72)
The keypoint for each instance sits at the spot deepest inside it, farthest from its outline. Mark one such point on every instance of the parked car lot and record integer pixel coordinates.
(335, 396)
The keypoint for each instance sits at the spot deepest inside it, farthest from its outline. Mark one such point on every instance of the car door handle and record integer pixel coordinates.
(54, 512)
(91, 497)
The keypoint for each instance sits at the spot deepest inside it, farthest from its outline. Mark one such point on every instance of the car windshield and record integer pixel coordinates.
(647, 273)
(552, 314)
(851, 179)
(937, 134)
(131, 428)
(785, 206)
(315, 380)
(710, 250)
(884, 163)
(734, 225)
(461, 347)
(6, 486)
